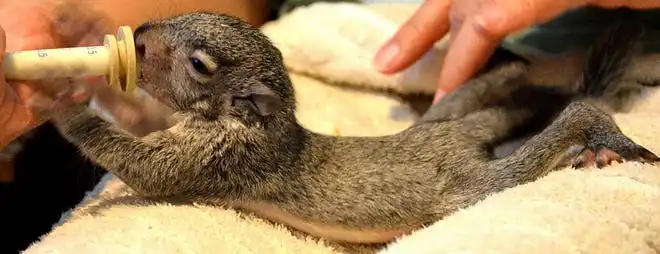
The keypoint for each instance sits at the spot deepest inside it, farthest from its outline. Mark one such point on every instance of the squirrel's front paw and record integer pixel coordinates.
(64, 101)
(61, 94)
(137, 116)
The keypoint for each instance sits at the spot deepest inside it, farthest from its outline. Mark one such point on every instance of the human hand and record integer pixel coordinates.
(26, 25)
(23, 26)
(476, 28)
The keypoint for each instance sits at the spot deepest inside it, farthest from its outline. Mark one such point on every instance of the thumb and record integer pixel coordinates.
(3, 46)
(3, 82)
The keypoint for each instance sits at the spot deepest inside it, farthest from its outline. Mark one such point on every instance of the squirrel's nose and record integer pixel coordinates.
(149, 41)
(140, 48)
(141, 29)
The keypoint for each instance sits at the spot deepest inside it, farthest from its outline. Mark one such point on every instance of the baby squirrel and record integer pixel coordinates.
(239, 143)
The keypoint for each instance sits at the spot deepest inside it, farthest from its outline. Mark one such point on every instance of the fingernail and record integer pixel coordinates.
(385, 56)
(438, 95)
(491, 23)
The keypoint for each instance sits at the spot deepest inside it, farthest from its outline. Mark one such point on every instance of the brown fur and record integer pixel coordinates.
(239, 143)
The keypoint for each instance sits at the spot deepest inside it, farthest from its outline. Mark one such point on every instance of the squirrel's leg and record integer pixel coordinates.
(152, 166)
(579, 125)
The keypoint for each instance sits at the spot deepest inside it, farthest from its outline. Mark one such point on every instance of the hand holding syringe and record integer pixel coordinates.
(116, 59)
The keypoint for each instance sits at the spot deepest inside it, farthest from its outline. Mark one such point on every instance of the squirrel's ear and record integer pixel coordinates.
(266, 101)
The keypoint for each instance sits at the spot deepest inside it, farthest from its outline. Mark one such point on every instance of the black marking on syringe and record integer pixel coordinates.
(91, 50)
(41, 53)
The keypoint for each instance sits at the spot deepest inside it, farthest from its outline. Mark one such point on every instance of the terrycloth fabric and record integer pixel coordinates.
(611, 211)
(328, 49)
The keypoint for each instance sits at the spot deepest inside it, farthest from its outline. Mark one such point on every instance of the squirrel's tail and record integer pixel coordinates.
(609, 57)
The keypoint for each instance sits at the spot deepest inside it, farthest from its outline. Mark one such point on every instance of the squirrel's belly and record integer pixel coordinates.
(329, 232)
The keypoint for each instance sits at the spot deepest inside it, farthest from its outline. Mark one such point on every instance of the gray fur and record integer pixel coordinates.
(228, 150)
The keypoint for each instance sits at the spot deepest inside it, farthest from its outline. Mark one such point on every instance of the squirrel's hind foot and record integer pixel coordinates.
(601, 156)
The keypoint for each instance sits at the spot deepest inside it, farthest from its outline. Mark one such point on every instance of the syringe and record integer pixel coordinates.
(116, 59)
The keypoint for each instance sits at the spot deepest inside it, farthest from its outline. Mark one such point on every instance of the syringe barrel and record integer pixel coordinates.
(53, 63)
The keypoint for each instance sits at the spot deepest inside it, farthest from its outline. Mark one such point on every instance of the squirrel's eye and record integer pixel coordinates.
(199, 66)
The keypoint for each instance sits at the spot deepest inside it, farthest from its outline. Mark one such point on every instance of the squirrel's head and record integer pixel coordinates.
(214, 66)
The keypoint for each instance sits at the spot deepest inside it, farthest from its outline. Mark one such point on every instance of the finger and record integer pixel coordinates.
(3, 47)
(481, 34)
(418, 34)
(5, 107)
(455, 26)
(466, 55)
(3, 44)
